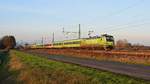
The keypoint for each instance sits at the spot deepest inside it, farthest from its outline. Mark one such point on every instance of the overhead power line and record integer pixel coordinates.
(125, 9)
(128, 26)
(122, 10)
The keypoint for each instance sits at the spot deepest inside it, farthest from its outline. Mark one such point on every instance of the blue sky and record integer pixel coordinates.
(30, 20)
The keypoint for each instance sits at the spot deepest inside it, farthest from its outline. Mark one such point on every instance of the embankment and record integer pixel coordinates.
(119, 56)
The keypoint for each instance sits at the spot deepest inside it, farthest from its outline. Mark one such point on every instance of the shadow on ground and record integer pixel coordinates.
(5, 74)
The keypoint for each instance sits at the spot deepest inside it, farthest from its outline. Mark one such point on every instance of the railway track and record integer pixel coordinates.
(113, 52)
(137, 71)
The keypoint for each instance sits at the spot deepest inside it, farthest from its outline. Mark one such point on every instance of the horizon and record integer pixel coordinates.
(31, 20)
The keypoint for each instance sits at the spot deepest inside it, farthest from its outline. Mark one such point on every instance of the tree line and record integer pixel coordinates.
(124, 44)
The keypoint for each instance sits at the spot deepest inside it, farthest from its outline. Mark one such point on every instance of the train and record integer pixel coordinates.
(104, 41)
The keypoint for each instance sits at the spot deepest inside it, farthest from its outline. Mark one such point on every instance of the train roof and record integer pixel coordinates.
(94, 37)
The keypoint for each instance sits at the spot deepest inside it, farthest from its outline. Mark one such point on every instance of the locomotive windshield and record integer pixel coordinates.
(109, 38)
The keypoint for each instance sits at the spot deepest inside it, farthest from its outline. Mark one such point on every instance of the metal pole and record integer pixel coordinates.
(79, 31)
(42, 41)
(53, 38)
(63, 30)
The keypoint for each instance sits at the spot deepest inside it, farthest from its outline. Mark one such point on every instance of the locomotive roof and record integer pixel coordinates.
(77, 39)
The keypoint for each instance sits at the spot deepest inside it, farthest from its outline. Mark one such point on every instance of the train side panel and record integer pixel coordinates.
(57, 45)
(72, 43)
(93, 43)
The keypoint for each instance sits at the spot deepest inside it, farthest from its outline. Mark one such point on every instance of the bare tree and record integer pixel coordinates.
(139, 47)
(123, 44)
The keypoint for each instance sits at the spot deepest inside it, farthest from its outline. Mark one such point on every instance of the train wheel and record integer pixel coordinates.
(105, 48)
(108, 48)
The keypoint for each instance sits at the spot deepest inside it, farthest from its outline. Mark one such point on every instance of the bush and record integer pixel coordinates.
(7, 42)
(122, 44)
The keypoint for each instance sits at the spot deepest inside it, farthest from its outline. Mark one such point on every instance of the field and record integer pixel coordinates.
(31, 69)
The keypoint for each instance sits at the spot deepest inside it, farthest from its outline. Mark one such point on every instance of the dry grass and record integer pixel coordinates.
(15, 63)
(30, 69)
(37, 75)
(97, 55)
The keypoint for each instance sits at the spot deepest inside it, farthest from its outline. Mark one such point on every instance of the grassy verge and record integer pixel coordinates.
(31, 69)
(6, 76)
